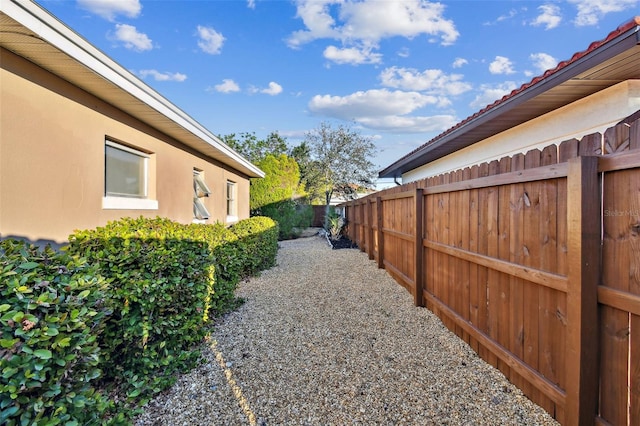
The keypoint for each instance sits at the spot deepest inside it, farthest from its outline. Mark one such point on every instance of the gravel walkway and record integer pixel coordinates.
(327, 338)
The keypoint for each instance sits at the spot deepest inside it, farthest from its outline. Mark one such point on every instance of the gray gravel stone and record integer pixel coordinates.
(327, 338)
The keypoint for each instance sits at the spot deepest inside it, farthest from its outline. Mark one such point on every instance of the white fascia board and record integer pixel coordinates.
(56, 33)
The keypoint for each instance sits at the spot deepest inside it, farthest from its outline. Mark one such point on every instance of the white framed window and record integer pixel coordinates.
(200, 191)
(232, 202)
(126, 178)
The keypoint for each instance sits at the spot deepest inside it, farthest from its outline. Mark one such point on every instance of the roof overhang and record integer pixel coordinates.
(33, 33)
(603, 64)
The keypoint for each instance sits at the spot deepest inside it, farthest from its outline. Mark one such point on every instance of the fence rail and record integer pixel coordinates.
(534, 261)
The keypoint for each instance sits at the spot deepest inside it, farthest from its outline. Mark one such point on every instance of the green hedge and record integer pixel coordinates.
(131, 298)
(51, 313)
(292, 217)
(160, 281)
(166, 279)
(259, 243)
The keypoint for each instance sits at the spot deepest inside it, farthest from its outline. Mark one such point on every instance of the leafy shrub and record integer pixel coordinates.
(160, 285)
(51, 311)
(335, 225)
(280, 183)
(292, 217)
(228, 264)
(166, 279)
(258, 246)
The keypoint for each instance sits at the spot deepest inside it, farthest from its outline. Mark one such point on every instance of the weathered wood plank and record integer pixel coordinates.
(474, 285)
(419, 249)
(454, 281)
(492, 236)
(483, 241)
(620, 161)
(556, 394)
(618, 299)
(541, 173)
(582, 300)
(537, 276)
(551, 329)
(614, 323)
(532, 257)
(501, 306)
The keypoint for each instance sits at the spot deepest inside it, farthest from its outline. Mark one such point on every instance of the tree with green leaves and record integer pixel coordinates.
(253, 149)
(337, 161)
(278, 195)
(281, 181)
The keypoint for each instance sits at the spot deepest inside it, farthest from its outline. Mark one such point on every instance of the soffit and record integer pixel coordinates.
(24, 42)
(603, 64)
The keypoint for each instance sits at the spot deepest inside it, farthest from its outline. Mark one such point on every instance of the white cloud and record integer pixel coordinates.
(543, 61)
(491, 93)
(210, 41)
(227, 86)
(591, 11)
(550, 16)
(370, 103)
(108, 9)
(433, 81)
(383, 110)
(501, 65)
(316, 17)
(273, 89)
(352, 55)
(409, 124)
(162, 76)
(251, 4)
(509, 15)
(459, 62)
(375, 20)
(132, 39)
(404, 52)
(365, 23)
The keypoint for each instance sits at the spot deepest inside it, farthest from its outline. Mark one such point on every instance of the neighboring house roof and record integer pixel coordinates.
(603, 64)
(33, 33)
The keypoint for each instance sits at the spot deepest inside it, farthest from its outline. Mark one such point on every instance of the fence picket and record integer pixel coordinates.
(512, 266)
(551, 330)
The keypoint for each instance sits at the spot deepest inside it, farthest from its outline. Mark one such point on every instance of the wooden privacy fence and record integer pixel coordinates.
(533, 260)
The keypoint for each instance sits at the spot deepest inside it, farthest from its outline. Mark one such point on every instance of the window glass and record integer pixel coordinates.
(200, 190)
(231, 199)
(125, 171)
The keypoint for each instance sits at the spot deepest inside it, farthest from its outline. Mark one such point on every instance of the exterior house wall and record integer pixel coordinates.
(592, 114)
(52, 160)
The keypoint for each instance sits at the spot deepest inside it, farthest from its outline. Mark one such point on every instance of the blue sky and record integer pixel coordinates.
(399, 71)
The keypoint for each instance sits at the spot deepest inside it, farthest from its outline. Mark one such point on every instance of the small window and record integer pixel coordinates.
(232, 203)
(200, 190)
(125, 171)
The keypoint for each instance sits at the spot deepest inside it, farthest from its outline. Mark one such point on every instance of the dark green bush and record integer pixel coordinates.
(165, 280)
(258, 245)
(292, 217)
(51, 312)
(223, 246)
(160, 281)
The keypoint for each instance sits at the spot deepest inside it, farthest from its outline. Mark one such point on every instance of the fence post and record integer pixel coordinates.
(380, 234)
(370, 228)
(583, 244)
(418, 298)
(362, 235)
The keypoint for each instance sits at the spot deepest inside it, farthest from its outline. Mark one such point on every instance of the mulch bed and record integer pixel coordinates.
(343, 243)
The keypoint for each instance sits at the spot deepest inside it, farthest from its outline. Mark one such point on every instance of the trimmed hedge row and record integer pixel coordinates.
(156, 283)
(51, 312)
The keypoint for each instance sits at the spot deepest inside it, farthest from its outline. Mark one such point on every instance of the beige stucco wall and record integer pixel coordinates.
(52, 138)
(595, 113)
